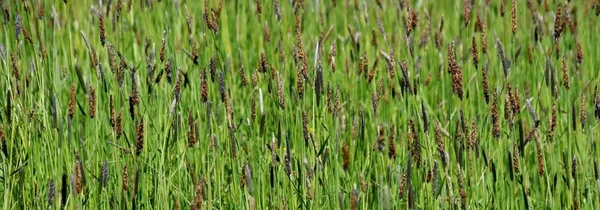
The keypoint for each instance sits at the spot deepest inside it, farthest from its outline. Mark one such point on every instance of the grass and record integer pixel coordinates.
(260, 145)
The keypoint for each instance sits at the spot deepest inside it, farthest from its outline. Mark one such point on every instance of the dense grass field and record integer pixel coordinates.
(315, 104)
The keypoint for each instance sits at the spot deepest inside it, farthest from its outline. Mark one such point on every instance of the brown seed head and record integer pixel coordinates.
(266, 33)
(163, 46)
(125, 179)
(392, 143)
(402, 185)
(486, 89)
(119, 126)
(558, 22)
(15, 67)
(72, 103)
(305, 128)
(540, 157)
(354, 196)
(346, 156)
(280, 91)
(565, 73)
(440, 144)
(478, 23)
(495, 117)
(300, 85)
(191, 131)
(412, 21)
(484, 40)
(222, 88)
(203, 86)
(263, 65)
(467, 4)
(102, 29)
(139, 136)
(258, 6)
(474, 135)
(514, 16)
(579, 52)
(515, 159)
(92, 102)
(198, 194)
(112, 58)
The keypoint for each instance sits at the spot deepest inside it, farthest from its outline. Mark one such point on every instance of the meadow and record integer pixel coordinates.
(299, 104)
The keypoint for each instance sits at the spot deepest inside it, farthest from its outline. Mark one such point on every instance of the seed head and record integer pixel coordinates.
(363, 65)
(119, 126)
(51, 191)
(495, 118)
(104, 179)
(558, 22)
(125, 180)
(514, 16)
(514, 100)
(346, 156)
(565, 73)
(478, 23)
(540, 157)
(263, 65)
(266, 33)
(332, 55)
(163, 46)
(424, 117)
(402, 185)
(467, 4)
(392, 64)
(92, 102)
(392, 143)
(486, 89)
(192, 139)
(212, 66)
(169, 70)
(139, 136)
(354, 199)
(277, 11)
(300, 85)
(473, 135)
(484, 39)
(15, 67)
(222, 88)
(203, 86)
(305, 128)
(412, 21)
(440, 144)
(112, 58)
(78, 175)
(515, 159)
(72, 103)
